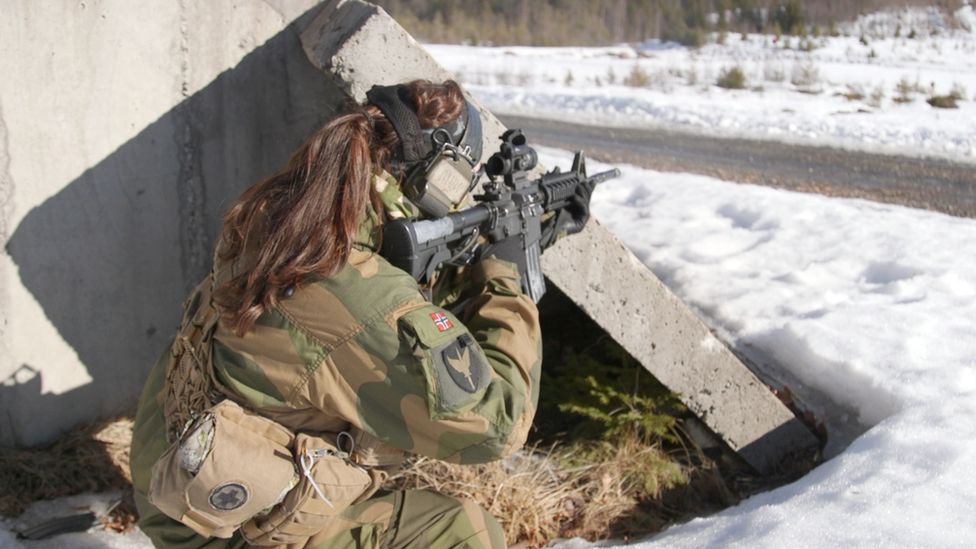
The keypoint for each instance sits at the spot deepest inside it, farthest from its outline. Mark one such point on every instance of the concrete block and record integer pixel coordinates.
(616, 290)
(359, 45)
(123, 138)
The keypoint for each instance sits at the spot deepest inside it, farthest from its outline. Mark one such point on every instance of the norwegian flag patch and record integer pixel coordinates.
(441, 321)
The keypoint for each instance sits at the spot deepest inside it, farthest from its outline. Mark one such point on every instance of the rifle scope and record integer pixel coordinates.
(513, 156)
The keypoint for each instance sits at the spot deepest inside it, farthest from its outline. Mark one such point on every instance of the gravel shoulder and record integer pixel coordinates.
(926, 183)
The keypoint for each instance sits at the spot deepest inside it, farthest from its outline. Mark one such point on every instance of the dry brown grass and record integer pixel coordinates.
(91, 458)
(594, 491)
(524, 492)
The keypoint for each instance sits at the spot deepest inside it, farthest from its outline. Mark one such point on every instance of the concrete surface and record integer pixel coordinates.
(125, 130)
(359, 45)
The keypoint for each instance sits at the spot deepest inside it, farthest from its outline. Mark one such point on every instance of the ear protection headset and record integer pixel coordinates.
(432, 159)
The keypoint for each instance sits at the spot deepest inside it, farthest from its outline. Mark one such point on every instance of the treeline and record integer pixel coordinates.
(600, 22)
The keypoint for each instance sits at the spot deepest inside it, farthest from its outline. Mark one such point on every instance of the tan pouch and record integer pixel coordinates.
(230, 465)
(329, 484)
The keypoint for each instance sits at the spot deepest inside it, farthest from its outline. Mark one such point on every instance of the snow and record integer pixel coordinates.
(867, 308)
(794, 95)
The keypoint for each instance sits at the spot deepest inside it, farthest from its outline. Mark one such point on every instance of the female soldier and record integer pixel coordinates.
(307, 348)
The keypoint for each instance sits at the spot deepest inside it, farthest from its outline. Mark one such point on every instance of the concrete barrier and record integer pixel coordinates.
(125, 131)
(359, 45)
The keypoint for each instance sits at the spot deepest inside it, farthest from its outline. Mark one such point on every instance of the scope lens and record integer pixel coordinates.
(526, 158)
(496, 165)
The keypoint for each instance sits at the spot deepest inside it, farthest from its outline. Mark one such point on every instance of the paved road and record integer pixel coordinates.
(932, 184)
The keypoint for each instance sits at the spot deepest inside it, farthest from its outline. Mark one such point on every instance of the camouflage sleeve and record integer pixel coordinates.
(427, 383)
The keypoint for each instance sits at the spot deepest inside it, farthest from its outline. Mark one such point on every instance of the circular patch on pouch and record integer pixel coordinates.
(228, 497)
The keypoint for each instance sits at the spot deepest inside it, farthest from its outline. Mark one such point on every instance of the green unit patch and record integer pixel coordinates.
(465, 365)
(455, 367)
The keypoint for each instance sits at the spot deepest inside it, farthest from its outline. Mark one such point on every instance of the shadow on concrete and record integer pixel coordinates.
(111, 256)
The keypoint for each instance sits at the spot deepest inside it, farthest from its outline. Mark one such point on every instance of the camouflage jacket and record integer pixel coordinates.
(363, 349)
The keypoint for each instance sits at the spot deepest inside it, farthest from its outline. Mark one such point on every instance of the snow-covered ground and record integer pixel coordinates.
(792, 94)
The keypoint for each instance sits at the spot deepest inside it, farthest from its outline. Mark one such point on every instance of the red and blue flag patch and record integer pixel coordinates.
(441, 321)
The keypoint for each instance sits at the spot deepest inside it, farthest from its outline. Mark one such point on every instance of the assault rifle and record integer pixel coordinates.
(511, 207)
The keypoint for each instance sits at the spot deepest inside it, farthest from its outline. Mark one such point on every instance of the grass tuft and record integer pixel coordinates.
(638, 77)
(806, 77)
(523, 492)
(589, 490)
(943, 101)
(905, 91)
(854, 92)
(876, 99)
(732, 79)
(93, 458)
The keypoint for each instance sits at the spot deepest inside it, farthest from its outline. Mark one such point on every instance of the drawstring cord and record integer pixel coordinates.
(310, 455)
(308, 461)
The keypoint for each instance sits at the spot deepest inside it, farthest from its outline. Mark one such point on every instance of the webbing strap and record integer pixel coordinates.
(369, 451)
(206, 526)
(189, 387)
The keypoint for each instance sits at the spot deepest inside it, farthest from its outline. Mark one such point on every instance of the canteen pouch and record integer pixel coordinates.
(230, 465)
(328, 485)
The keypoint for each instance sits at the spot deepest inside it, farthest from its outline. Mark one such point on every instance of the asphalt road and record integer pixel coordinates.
(932, 184)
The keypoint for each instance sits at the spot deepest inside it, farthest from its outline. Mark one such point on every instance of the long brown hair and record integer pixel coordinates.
(303, 219)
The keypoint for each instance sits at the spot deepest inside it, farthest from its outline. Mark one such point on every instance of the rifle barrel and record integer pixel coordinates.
(603, 176)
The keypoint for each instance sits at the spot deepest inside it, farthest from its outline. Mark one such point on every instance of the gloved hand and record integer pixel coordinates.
(572, 218)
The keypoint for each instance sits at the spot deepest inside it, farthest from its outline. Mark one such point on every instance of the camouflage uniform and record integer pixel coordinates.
(363, 350)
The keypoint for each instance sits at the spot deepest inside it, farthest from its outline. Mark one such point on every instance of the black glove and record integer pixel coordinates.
(571, 218)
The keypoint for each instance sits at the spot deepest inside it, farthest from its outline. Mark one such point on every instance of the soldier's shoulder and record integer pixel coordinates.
(366, 291)
(369, 281)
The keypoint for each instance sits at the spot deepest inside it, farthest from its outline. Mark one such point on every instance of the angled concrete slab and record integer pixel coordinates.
(360, 45)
